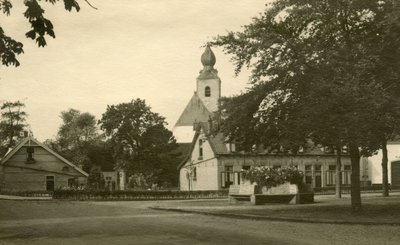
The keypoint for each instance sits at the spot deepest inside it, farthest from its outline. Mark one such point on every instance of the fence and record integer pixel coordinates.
(347, 189)
(137, 195)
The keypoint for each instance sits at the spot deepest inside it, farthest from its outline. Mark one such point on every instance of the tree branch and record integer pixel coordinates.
(91, 5)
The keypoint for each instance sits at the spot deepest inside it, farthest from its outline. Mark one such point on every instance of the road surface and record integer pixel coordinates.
(63, 222)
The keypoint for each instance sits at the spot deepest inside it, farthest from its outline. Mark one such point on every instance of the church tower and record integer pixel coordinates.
(204, 101)
(208, 82)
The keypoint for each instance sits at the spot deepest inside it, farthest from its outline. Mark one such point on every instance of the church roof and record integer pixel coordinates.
(195, 111)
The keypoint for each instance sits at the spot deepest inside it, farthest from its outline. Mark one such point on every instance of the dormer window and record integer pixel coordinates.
(30, 154)
(207, 91)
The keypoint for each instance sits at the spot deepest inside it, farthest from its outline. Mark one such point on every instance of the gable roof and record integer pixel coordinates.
(216, 142)
(195, 111)
(26, 140)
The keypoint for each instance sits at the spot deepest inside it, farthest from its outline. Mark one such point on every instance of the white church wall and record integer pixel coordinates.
(183, 134)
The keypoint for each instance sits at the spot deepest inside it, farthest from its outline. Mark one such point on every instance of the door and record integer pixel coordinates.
(318, 176)
(49, 183)
(395, 169)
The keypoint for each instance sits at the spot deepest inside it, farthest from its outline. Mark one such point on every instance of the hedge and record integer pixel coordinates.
(136, 195)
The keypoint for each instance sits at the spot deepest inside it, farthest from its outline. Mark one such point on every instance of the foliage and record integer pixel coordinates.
(79, 141)
(77, 128)
(141, 144)
(95, 180)
(329, 73)
(12, 123)
(40, 27)
(271, 177)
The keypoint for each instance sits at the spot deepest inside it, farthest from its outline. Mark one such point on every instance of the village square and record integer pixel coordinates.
(307, 153)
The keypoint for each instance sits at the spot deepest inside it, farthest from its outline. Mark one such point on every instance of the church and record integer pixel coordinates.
(211, 163)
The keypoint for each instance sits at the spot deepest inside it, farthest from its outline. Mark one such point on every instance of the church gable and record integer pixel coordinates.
(195, 111)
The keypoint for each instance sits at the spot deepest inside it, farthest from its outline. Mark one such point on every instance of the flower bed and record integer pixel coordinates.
(271, 177)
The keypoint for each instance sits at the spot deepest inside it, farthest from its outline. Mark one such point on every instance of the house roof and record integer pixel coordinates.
(30, 139)
(218, 146)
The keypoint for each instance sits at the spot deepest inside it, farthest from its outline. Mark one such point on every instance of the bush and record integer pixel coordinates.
(269, 177)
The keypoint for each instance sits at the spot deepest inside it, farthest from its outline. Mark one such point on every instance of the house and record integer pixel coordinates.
(210, 163)
(32, 166)
(213, 164)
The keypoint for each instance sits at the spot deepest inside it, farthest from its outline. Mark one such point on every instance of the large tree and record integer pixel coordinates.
(40, 28)
(324, 61)
(142, 145)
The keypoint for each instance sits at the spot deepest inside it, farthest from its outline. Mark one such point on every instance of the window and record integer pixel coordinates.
(65, 169)
(318, 176)
(233, 147)
(207, 91)
(200, 149)
(346, 175)
(236, 147)
(331, 175)
(308, 174)
(30, 154)
(228, 177)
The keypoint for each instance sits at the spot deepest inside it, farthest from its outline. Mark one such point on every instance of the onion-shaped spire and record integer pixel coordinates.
(208, 58)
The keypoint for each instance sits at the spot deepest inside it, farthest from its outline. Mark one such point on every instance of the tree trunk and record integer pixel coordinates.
(355, 178)
(385, 181)
(338, 172)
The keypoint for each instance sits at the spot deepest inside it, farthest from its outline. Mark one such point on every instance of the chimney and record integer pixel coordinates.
(210, 124)
(195, 124)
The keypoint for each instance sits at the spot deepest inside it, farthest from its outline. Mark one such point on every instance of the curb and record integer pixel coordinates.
(21, 198)
(283, 219)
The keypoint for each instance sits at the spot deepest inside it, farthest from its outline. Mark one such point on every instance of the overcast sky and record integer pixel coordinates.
(126, 49)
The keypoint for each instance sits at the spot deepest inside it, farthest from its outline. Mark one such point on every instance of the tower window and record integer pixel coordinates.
(207, 92)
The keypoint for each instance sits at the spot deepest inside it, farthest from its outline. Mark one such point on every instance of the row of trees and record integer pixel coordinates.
(129, 136)
(325, 71)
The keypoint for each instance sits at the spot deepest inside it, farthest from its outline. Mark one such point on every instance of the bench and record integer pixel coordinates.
(240, 194)
(249, 193)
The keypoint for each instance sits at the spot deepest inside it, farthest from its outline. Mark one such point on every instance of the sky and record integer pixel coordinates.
(127, 49)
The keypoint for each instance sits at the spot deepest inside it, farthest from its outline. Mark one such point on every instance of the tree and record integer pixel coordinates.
(141, 143)
(12, 123)
(324, 62)
(78, 140)
(40, 27)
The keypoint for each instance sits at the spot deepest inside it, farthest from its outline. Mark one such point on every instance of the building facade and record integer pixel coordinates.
(32, 166)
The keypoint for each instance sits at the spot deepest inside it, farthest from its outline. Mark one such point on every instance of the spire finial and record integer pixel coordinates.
(208, 58)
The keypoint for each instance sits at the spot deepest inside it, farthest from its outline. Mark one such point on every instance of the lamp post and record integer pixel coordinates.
(189, 174)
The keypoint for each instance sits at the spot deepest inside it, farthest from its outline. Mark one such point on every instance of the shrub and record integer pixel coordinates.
(269, 177)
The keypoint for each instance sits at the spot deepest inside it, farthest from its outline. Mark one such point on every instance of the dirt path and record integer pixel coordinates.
(49, 222)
